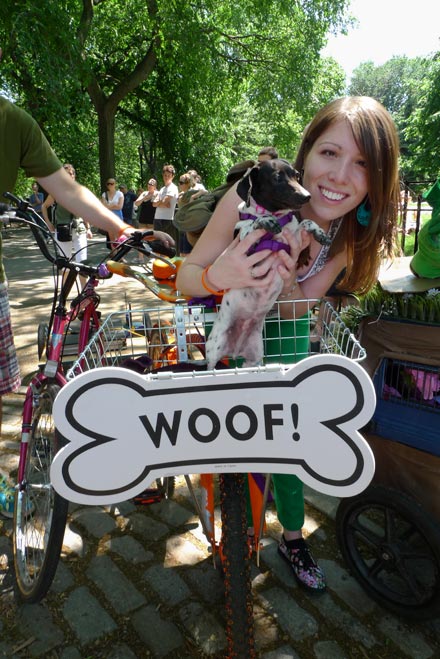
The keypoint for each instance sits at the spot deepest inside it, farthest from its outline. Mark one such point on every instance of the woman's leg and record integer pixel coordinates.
(289, 499)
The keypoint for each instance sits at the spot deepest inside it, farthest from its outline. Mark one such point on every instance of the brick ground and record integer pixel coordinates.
(139, 582)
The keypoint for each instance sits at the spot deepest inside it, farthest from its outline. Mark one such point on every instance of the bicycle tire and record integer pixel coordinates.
(42, 334)
(40, 513)
(234, 552)
(392, 547)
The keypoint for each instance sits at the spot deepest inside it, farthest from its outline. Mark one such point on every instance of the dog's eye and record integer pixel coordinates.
(297, 175)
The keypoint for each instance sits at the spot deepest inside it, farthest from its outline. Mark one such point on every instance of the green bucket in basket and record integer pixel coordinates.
(286, 341)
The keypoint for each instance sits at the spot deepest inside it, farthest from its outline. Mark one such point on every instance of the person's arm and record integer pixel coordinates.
(163, 203)
(49, 201)
(117, 205)
(80, 201)
(229, 264)
(313, 288)
(144, 196)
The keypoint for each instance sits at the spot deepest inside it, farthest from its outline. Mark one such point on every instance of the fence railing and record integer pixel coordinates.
(411, 209)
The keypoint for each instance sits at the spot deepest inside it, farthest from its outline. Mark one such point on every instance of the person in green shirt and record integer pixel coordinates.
(24, 146)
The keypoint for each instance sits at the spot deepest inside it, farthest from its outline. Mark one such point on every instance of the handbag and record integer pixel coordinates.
(64, 232)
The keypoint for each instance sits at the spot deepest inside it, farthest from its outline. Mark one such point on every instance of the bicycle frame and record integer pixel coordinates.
(53, 371)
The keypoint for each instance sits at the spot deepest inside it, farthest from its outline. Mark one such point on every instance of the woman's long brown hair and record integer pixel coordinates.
(376, 136)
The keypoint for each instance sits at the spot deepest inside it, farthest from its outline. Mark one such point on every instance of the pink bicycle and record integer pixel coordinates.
(40, 513)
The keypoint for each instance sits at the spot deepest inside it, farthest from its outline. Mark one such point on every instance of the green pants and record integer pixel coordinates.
(287, 342)
(289, 501)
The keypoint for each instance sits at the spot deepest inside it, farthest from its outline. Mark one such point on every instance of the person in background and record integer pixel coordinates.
(36, 198)
(186, 183)
(127, 206)
(267, 153)
(70, 232)
(113, 199)
(165, 204)
(348, 160)
(196, 181)
(24, 146)
(144, 203)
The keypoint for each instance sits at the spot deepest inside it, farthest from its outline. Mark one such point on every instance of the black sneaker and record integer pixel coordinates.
(305, 568)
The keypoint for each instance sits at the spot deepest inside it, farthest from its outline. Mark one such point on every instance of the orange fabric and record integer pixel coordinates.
(207, 503)
(256, 496)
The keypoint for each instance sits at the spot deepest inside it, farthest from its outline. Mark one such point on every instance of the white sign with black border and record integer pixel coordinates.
(123, 430)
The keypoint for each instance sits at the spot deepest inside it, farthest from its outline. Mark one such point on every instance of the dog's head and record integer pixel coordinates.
(274, 185)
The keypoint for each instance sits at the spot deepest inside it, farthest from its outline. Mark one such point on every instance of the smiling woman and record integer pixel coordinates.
(348, 161)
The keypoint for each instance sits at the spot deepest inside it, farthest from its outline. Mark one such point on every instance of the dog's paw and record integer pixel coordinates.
(243, 227)
(316, 231)
(269, 224)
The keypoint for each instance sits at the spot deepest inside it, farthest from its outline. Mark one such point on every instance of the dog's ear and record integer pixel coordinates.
(244, 187)
(239, 170)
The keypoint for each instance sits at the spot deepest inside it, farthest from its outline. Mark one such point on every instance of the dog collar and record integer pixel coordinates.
(267, 241)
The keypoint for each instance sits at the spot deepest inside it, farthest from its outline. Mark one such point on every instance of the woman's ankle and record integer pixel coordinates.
(292, 535)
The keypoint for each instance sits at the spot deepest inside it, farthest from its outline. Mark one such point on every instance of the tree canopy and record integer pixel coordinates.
(122, 86)
(199, 83)
(409, 89)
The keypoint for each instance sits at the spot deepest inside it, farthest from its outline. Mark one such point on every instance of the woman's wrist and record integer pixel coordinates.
(123, 229)
(287, 294)
(209, 285)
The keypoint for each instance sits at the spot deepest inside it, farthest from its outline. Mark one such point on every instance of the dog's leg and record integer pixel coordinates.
(316, 231)
(237, 330)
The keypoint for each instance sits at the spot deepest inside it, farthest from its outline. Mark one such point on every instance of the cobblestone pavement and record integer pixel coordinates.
(139, 581)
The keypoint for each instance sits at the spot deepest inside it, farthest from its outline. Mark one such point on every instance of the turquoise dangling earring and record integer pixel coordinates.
(363, 213)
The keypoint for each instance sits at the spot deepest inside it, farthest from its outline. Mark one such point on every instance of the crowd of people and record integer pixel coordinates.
(348, 162)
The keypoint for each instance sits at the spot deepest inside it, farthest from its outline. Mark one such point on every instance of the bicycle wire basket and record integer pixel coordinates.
(148, 340)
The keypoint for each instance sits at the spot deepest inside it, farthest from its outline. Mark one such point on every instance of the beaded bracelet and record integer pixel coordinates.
(289, 292)
(205, 284)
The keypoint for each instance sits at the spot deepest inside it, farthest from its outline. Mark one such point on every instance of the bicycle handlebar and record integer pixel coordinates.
(24, 212)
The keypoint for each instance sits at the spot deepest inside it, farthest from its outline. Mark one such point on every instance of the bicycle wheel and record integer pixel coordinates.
(42, 334)
(392, 548)
(236, 568)
(40, 513)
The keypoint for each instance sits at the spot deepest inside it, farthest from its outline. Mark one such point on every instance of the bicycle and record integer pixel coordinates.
(123, 338)
(330, 336)
(39, 512)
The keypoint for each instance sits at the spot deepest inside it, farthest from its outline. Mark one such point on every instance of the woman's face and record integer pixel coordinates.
(335, 174)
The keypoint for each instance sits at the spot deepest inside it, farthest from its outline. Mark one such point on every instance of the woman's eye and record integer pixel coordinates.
(362, 163)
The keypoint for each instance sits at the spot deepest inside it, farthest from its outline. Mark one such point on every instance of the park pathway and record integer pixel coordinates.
(137, 582)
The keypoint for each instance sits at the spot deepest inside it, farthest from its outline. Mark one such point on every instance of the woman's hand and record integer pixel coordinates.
(287, 263)
(235, 269)
(164, 238)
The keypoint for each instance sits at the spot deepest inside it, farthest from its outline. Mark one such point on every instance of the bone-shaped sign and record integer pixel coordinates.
(123, 429)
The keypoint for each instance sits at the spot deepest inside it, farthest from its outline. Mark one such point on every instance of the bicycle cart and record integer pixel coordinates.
(179, 418)
(390, 534)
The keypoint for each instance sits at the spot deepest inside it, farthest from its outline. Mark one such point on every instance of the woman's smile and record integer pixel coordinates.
(335, 174)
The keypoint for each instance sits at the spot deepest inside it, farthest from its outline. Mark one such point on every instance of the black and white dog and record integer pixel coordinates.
(271, 193)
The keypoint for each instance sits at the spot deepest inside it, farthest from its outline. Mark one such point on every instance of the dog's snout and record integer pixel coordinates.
(302, 196)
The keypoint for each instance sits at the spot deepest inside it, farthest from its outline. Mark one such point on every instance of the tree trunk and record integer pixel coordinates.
(106, 135)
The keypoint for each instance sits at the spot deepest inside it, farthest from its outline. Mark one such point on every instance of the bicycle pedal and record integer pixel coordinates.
(147, 497)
